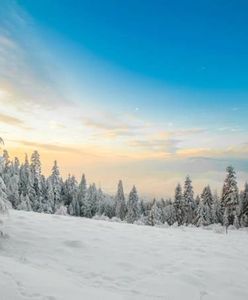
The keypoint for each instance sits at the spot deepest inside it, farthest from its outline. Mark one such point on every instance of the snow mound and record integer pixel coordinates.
(54, 257)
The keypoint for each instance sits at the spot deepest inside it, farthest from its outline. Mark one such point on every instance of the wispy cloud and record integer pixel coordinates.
(168, 146)
(10, 120)
(25, 68)
(113, 126)
(50, 147)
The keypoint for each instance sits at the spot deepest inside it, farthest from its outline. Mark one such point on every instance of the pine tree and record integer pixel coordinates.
(155, 216)
(121, 208)
(11, 179)
(6, 168)
(70, 196)
(132, 206)
(56, 185)
(244, 207)
(3, 197)
(204, 214)
(230, 198)
(25, 186)
(91, 200)
(216, 211)
(48, 196)
(35, 169)
(82, 189)
(151, 214)
(189, 205)
(170, 214)
(179, 205)
(106, 205)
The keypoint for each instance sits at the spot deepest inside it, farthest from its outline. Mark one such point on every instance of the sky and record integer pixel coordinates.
(143, 91)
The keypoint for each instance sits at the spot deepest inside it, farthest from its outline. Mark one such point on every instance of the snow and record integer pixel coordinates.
(50, 257)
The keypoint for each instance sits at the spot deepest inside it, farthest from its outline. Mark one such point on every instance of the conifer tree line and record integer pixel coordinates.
(24, 187)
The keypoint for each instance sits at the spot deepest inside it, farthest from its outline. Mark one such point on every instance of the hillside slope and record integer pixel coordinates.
(49, 257)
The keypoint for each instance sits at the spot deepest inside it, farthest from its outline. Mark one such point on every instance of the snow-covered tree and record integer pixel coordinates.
(11, 179)
(132, 206)
(6, 168)
(70, 195)
(189, 204)
(230, 198)
(3, 197)
(244, 207)
(179, 205)
(216, 211)
(35, 170)
(91, 202)
(25, 185)
(82, 189)
(155, 216)
(106, 205)
(170, 216)
(151, 214)
(121, 208)
(48, 197)
(56, 186)
(204, 214)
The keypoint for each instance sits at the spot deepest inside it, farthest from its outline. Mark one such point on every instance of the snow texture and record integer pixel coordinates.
(54, 257)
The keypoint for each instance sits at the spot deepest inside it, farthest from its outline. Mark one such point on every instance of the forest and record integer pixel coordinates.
(24, 187)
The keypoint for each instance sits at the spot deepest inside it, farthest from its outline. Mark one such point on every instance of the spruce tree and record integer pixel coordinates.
(170, 214)
(151, 214)
(25, 185)
(82, 189)
(91, 202)
(3, 197)
(189, 205)
(216, 211)
(230, 198)
(120, 209)
(132, 206)
(244, 207)
(70, 195)
(155, 216)
(35, 169)
(48, 196)
(179, 205)
(56, 185)
(204, 214)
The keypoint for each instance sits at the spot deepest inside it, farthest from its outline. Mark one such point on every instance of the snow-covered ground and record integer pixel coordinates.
(56, 257)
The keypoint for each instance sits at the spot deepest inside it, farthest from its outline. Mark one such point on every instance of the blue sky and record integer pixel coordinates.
(159, 86)
(192, 44)
(195, 51)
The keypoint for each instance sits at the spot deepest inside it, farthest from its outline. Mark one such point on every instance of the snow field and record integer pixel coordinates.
(51, 257)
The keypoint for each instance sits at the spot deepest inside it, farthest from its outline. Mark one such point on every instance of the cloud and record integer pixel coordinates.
(157, 145)
(182, 132)
(10, 120)
(50, 147)
(112, 126)
(27, 70)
